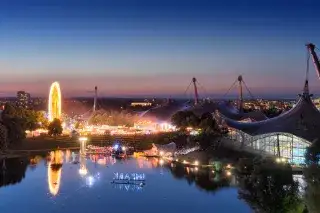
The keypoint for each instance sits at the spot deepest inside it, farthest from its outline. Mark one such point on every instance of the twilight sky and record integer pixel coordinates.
(155, 47)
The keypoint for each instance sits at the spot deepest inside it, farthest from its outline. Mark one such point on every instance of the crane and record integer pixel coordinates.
(311, 47)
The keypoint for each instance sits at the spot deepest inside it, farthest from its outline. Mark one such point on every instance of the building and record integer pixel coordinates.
(143, 104)
(286, 136)
(23, 99)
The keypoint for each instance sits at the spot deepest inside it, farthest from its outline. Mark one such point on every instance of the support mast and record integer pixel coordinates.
(95, 98)
(240, 94)
(315, 58)
(196, 97)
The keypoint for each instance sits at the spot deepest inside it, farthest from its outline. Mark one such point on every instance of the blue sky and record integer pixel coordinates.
(129, 47)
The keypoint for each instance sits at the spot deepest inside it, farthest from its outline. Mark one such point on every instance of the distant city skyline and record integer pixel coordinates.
(153, 48)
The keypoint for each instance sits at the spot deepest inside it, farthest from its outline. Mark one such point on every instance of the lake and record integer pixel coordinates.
(65, 182)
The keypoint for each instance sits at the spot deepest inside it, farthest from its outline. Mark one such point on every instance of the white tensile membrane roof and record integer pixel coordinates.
(234, 114)
(303, 120)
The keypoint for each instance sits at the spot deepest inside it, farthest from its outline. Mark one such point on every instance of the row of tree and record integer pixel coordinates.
(210, 131)
(17, 120)
(14, 122)
(268, 186)
(185, 119)
(312, 177)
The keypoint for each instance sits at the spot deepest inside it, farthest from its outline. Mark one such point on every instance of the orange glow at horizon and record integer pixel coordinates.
(54, 103)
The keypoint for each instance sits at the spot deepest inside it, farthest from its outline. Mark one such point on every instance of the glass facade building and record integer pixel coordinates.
(284, 145)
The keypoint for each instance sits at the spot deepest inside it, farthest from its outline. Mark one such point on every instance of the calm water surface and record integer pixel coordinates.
(65, 182)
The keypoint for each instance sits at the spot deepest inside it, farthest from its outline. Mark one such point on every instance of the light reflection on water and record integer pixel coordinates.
(75, 183)
(54, 171)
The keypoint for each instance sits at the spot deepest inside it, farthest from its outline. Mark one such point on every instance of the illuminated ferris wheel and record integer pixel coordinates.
(54, 104)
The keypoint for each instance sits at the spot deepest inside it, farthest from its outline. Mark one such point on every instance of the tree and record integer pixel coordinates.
(210, 131)
(312, 190)
(9, 110)
(55, 127)
(312, 155)
(27, 118)
(42, 119)
(3, 137)
(208, 124)
(16, 129)
(184, 119)
(15, 123)
(30, 119)
(269, 187)
(179, 119)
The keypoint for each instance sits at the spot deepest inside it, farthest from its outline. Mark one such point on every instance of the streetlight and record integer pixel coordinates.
(83, 141)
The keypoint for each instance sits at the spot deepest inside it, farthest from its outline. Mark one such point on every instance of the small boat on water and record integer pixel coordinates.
(119, 151)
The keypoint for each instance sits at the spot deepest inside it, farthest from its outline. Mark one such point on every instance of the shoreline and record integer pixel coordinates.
(227, 152)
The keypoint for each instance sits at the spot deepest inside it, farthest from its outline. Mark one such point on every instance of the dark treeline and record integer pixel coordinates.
(312, 177)
(14, 121)
(205, 179)
(12, 171)
(209, 131)
(268, 186)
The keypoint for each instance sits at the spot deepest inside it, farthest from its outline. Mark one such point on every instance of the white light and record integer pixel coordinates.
(82, 139)
(278, 160)
(90, 181)
(116, 146)
(83, 171)
(123, 148)
(196, 163)
(161, 153)
(161, 162)
(228, 173)
(184, 162)
(196, 169)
